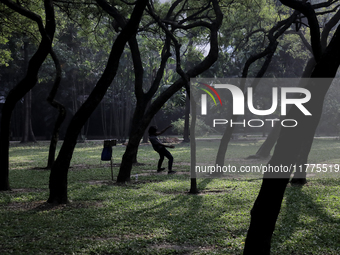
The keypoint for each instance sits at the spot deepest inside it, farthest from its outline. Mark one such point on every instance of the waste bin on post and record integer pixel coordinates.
(107, 152)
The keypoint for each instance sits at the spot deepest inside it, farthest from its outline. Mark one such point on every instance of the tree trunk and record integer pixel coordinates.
(287, 150)
(268, 203)
(27, 131)
(268, 144)
(263, 221)
(103, 118)
(55, 135)
(61, 109)
(268, 52)
(138, 130)
(28, 135)
(186, 131)
(59, 170)
(127, 118)
(300, 176)
(145, 135)
(186, 138)
(193, 179)
(129, 156)
(26, 84)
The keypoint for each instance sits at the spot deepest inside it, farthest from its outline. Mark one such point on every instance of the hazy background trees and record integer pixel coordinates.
(82, 47)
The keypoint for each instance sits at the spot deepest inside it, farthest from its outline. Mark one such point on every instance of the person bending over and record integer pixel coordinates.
(161, 148)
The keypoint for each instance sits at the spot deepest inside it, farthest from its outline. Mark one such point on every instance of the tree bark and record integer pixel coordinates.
(300, 178)
(59, 170)
(61, 109)
(27, 135)
(269, 52)
(27, 131)
(143, 119)
(27, 83)
(274, 33)
(186, 131)
(186, 138)
(268, 203)
(193, 179)
(268, 144)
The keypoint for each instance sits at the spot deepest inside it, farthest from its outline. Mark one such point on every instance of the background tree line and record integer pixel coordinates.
(81, 47)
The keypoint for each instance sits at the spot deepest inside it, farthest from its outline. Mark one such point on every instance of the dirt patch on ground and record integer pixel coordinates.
(154, 172)
(184, 164)
(215, 191)
(188, 249)
(99, 182)
(44, 206)
(132, 182)
(25, 190)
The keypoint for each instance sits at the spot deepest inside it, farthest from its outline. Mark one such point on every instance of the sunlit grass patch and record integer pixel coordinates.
(154, 214)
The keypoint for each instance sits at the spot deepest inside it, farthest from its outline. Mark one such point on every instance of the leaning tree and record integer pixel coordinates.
(180, 19)
(46, 31)
(59, 170)
(293, 141)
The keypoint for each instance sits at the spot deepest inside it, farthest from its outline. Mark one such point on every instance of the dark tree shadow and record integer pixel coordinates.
(299, 204)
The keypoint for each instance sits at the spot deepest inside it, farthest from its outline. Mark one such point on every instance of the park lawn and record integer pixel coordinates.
(154, 214)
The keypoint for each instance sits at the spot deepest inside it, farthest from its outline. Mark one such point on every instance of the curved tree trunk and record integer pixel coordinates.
(59, 170)
(130, 155)
(267, 146)
(274, 33)
(27, 83)
(61, 109)
(137, 133)
(300, 176)
(268, 203)
(223, 147)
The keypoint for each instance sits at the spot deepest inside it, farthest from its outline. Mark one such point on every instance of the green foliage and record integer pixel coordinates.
(5, 57)
(244, 34)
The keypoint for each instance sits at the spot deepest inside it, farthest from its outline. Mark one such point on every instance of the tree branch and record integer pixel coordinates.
(303, 39)
(26, 13)
(308, 10)
(330, 24)
(324, 4)
(136, 56)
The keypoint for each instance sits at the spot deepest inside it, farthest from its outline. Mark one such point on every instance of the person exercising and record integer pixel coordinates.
(161, 148)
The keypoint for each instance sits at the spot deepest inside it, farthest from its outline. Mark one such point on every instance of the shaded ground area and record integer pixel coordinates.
(154, 214)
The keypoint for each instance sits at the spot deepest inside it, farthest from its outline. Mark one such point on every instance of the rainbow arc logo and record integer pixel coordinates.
(209, 93)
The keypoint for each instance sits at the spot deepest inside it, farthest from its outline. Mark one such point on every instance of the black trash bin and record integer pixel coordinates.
(107, 152)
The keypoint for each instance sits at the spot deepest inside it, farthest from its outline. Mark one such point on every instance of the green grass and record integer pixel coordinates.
(155, 214)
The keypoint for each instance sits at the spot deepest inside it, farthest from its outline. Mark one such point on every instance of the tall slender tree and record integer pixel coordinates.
(27, 130)
(59, 170)
(28, 82)
(61, 111)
